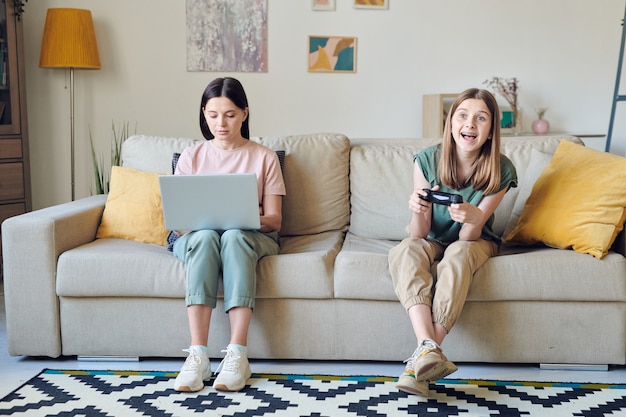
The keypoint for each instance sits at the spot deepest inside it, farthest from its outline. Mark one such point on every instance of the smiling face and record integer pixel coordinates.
(224, 119)
(471, 125)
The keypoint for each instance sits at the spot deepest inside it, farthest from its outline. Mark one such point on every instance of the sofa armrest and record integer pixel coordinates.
(31, 245)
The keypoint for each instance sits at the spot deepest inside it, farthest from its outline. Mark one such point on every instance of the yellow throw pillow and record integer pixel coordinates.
(578, 202)
(133, 208)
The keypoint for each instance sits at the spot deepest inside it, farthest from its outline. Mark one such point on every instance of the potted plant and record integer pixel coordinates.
(18, 6)
(101, 173)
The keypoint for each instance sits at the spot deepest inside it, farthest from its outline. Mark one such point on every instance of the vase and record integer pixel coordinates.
(541, 126)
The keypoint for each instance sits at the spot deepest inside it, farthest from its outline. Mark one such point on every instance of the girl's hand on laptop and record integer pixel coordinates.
(181, 232)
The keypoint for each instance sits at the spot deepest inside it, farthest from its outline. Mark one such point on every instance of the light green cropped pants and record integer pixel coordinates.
(234, 254)
(410, 263)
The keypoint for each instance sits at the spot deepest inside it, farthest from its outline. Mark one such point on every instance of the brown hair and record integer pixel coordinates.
(485, 175)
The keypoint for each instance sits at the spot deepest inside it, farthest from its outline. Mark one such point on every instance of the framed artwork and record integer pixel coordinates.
(216, 43)
(371, 4)
(507, 120)
(323, 5)
(332, 54)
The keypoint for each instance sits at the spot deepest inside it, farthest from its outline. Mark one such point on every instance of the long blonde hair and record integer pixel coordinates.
(485, 174)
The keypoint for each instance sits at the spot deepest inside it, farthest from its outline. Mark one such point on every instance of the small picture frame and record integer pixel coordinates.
(371, 4)
(332, 54)
(507, 120)
(323, 5)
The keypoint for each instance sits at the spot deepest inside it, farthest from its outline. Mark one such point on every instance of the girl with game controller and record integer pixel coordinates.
(458, 185)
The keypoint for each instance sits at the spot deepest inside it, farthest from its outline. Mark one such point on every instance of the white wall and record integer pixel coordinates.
(564, 53)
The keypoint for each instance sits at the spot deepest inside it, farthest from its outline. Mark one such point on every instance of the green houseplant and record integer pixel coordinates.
(102, 172)
(18, 6)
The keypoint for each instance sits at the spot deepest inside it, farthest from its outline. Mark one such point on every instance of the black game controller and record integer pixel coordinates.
(439, 197)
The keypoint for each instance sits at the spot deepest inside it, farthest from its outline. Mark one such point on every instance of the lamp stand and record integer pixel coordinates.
(72, 131)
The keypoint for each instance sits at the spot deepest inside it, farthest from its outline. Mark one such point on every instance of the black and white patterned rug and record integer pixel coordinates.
(143, 393)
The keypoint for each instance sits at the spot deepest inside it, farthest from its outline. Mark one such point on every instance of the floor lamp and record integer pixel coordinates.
(69, 41)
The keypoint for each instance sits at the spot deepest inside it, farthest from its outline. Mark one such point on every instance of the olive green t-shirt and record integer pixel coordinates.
(443, 229)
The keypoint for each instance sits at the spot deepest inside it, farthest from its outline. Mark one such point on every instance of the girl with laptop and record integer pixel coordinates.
(234, 253)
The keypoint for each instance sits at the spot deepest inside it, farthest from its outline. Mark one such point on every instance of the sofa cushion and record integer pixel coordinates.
(123, 268)
(578, 202)
(381, 181)
(316, 178)
(517, 274)
(153, 153)
(120, 268)
(538, 162)
(317, 197)
(133, 208)
(547, 274)
(519, 149)
(362, 269)
(303, 269)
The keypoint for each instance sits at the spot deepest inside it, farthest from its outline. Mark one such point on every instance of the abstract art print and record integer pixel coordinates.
(332, 54)
(227, 35)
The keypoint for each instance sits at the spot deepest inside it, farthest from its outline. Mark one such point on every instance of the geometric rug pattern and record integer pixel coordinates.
(142, 393)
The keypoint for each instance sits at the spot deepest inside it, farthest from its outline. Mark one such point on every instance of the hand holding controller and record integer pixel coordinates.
(439, 197)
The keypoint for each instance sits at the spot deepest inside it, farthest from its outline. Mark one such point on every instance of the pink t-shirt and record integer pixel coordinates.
(206, 158)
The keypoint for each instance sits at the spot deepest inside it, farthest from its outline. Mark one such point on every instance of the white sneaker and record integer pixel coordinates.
(431, 364)
(195, 370)
(235, 371)
(407, 382)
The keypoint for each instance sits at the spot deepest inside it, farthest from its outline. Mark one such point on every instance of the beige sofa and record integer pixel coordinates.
(328, 295)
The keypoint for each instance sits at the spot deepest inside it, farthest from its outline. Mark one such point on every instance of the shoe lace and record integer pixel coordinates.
(426, 344)
(410, 362)
(192, 363)
(230, 363)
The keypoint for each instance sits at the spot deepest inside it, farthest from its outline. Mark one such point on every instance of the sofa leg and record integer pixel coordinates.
(572, 367)
(108, 358)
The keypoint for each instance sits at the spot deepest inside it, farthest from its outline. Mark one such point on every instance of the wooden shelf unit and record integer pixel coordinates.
(435, 108)
(15, 193)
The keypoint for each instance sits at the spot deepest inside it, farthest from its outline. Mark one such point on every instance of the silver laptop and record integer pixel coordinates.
(215, 202)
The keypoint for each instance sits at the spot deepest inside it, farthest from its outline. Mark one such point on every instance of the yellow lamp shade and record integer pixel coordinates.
(69, 40)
